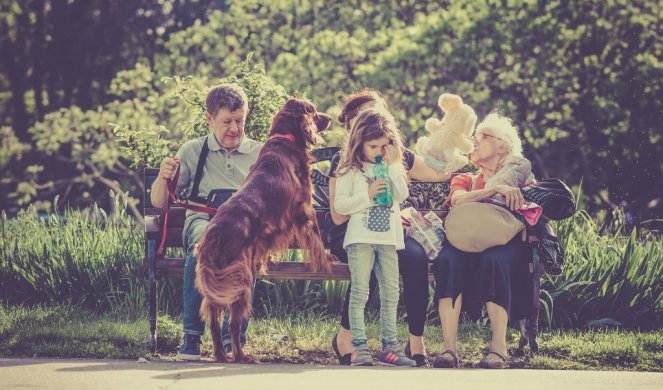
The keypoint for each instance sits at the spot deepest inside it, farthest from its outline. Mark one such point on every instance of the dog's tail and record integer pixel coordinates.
(220, 287)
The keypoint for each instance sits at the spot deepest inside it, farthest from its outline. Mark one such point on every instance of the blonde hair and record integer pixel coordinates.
(369, 125)
(502, 128)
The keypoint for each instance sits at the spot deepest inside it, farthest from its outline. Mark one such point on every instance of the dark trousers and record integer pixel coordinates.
(499, 274)
(413, 267)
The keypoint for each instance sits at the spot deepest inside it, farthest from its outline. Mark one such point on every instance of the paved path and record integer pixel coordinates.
(73, 374)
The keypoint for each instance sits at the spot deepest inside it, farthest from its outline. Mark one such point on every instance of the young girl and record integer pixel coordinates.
(374, 232)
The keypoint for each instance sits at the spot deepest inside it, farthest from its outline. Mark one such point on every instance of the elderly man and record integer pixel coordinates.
(210, 168)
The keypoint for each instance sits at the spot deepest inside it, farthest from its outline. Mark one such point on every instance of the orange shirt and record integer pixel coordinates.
(464, 182)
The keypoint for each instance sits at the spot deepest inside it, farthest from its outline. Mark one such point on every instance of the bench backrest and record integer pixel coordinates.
(424, 196)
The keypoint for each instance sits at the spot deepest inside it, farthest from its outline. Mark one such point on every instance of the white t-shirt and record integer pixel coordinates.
(369, 223)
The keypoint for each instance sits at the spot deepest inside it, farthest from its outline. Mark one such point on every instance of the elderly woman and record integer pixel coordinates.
(497, 276)
(412, 260)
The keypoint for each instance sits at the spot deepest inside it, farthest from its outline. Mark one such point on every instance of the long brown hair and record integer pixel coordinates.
(354, 102)
(369, 125)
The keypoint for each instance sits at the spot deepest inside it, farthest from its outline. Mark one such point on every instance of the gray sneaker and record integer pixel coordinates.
(361, 356)
(393, 356)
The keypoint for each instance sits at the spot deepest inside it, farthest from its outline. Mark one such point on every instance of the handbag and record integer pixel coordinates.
(477, 226)
(555, 197)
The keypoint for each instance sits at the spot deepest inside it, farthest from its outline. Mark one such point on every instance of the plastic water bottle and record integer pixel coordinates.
(381, 172)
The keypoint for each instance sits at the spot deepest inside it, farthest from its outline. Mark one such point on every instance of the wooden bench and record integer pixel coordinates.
(424, 197)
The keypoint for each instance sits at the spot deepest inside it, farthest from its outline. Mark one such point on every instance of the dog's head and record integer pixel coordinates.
(300, 118)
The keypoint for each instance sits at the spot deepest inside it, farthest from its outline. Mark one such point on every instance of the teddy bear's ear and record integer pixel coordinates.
(432, 124)
(448, 101)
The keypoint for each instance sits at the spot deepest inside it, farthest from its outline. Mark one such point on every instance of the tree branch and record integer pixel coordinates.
(115, 186)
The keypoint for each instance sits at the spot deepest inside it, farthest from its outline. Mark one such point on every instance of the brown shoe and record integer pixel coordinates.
(493, 360)
(447, 359)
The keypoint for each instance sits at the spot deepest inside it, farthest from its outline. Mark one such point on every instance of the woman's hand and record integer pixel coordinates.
(512, 196)
(391, 154)
(376, 187)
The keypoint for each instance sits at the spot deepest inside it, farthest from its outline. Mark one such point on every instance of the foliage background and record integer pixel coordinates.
(581, 79)
(91, 91)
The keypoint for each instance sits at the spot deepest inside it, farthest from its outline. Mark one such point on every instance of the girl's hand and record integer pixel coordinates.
(376, 187)
(512, 196)
(391, 154)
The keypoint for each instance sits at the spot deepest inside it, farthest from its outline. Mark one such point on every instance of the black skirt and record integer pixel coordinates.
(499, 274)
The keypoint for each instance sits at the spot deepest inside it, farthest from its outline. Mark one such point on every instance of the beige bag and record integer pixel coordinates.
(477, 226)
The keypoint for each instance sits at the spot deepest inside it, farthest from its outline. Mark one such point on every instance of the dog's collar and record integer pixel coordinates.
(289, 137)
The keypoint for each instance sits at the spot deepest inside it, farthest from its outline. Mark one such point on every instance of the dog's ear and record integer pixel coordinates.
(299, 107)
(294, 107)
(322, 121)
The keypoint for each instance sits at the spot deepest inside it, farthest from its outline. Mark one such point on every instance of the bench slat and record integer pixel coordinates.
(284, 270)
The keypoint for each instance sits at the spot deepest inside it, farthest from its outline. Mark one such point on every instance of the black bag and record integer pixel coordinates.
(218, 197)
(335, 233)
(552, 255)
(554, 197)
(551, 252)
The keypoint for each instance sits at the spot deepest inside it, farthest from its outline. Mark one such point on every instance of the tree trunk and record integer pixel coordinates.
(17, 85)
(37, 58)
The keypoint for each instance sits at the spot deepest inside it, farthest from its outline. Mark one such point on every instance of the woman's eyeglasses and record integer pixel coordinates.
(482, 136)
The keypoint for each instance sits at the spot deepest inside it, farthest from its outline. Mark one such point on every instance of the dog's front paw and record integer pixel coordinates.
(221, 359)
(247, 359)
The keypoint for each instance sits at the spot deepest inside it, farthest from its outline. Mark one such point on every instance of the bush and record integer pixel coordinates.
(611, 280)
(88, 257)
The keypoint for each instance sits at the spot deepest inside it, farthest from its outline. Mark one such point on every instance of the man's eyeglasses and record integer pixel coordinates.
(482, 136)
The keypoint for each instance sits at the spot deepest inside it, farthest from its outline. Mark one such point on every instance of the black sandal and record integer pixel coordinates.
(490, 362)
(447, 359)
(418, 358)
(343, 360)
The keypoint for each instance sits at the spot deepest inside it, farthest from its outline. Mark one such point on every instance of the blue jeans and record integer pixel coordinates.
(192, 298)
(362, 259)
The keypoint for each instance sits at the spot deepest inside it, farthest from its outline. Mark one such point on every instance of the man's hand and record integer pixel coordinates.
(391, 155)
(376, 187)
(512, 196)
(167, 168)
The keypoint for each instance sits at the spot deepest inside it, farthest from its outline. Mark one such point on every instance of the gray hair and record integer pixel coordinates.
(502, 128)
(229, 96)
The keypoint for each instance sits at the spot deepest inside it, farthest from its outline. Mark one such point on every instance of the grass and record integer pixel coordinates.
(69, 331)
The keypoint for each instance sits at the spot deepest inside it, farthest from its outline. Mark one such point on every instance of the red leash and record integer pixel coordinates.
(172, 185)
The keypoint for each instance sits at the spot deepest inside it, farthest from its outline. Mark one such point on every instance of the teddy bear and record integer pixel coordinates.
(450, 137)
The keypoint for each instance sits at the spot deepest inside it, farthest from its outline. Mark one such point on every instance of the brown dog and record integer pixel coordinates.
(271, 210)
